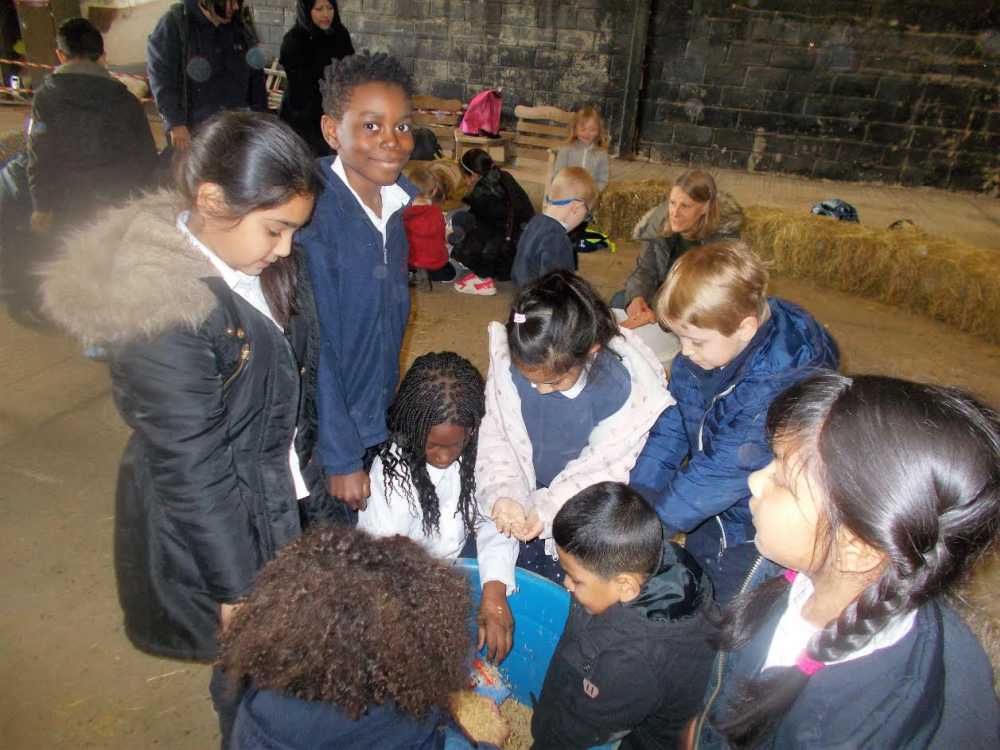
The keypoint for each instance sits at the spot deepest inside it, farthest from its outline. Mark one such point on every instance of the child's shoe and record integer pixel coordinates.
(472, 284)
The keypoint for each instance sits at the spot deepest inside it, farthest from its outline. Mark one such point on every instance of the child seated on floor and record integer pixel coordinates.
(739, 349)
(632, 662)
(882, 496)
(350, 641)
(569, 402)
(425, 228)
(544, 245)
(423, 483)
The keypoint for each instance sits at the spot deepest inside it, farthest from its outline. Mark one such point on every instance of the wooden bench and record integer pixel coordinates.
(541, 132)
(274, 83)
(441, 117)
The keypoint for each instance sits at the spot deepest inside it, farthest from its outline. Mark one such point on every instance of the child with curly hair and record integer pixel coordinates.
(423, 483)
(357, 250)
(351, 642)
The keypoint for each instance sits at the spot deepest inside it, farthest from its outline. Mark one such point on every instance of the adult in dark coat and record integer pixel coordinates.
(202, 58)
(316, 40)
(498, 211)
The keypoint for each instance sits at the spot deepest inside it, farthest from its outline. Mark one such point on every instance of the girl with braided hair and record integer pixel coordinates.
(881, 495)
(423, 483)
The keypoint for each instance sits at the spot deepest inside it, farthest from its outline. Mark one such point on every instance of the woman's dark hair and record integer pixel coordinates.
(260, 163)
(564, 319)
(341, 78)
(913, 471)
(477, 161)
(610, 529)
(439, 388)
(342, 617)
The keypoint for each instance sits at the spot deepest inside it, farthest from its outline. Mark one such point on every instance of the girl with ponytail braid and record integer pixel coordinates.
(881, 495)
(423, 483)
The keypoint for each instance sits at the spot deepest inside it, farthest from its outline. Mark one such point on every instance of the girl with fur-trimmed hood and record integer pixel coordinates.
(211, 334)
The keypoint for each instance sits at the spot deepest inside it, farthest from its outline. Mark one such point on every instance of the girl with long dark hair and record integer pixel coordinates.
(423, 483)
(881, 495)
(211, 331)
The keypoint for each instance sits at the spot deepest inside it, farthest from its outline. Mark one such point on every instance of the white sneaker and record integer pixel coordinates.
(472, 284)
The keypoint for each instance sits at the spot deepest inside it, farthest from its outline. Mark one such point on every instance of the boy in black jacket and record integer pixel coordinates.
(544, 246)
(632, 662)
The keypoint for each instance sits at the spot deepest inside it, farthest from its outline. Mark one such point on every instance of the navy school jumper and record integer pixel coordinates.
(363, 302)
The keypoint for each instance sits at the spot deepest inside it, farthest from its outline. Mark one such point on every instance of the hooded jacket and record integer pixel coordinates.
(700, 452)
(214, 392)
(197, 69)
(306, 51)
(363, 301)
(660, 248)
(931, 689)
(504, 464)
(637, 669)
(89, 145)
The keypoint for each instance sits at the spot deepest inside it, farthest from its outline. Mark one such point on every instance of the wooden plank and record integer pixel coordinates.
(526, 126)
(528, 140)
(436, 104)
(543, 112)
(428, 119)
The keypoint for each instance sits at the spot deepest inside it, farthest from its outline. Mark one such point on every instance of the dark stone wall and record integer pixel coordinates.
(891, 91)
(566, 54)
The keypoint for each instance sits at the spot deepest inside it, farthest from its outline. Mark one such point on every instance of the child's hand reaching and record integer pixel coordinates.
(509, 516)
(531, 527)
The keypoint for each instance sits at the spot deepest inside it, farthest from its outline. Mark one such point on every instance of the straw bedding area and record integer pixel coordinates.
(623, 204)
(11, 143)
(946, 279)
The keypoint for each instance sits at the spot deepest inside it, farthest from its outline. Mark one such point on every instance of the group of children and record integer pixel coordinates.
(263, 395)
(498, 237)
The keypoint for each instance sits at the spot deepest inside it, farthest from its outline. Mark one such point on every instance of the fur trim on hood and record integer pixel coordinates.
(651, 225)
(130, 275)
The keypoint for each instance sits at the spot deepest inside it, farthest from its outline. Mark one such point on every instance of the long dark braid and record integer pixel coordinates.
(913, 471)
(439, 388)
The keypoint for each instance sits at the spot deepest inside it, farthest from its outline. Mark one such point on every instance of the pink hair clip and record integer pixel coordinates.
(520, 318)
(790, 575)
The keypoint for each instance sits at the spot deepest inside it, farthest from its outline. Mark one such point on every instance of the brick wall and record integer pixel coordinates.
(898, 92)
(547, 52)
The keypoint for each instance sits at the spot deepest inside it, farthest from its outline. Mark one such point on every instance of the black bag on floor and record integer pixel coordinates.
(425, 145)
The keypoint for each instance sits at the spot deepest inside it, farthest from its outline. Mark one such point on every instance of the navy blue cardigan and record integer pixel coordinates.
(363, 303)
(932, 689)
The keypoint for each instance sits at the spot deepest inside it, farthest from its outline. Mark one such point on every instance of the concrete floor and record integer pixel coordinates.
(70, 677)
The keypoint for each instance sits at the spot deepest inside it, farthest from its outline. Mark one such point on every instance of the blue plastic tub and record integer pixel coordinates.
(540, 608)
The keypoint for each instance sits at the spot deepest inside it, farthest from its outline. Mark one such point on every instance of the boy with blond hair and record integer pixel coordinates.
(544, 245)
(739, 349)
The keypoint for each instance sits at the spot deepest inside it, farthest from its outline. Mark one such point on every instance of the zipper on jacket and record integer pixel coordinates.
(711, 405)
(244, 358)
(721, 661)
(722, 530)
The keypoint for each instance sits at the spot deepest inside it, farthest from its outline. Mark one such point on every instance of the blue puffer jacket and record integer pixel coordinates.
(724, 435)
(363, 303)
(931, 689)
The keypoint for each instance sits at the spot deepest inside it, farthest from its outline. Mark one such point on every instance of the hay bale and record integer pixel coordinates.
(623, 204)
(946, 279)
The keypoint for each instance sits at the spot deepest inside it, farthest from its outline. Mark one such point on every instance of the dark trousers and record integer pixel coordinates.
(532, 557)
(226, 697)
(726, 566)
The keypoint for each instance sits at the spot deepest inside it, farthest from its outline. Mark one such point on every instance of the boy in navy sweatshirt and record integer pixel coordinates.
(357, 251)
(632, 661)
(544, 245)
